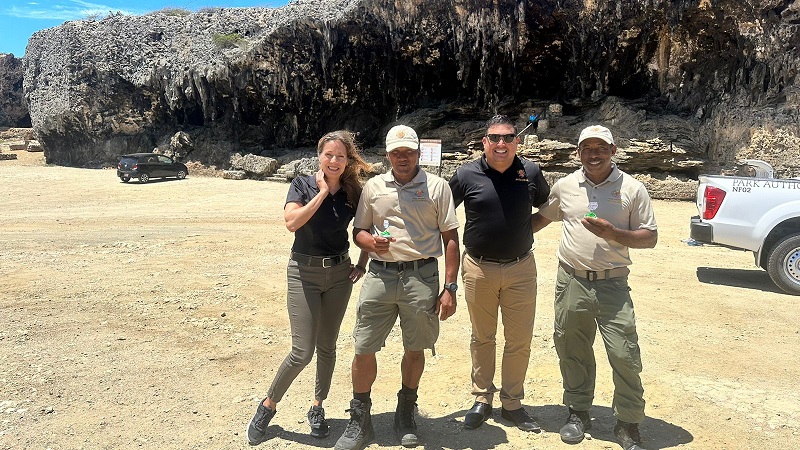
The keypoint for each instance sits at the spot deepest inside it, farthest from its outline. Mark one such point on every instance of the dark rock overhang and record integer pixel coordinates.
(704, 76)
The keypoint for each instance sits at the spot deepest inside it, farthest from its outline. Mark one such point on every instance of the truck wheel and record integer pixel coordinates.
(783, 264)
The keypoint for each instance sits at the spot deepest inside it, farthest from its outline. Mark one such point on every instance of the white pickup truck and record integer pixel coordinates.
(759, 213)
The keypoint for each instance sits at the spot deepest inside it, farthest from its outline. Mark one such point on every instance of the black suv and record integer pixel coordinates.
(149, 165)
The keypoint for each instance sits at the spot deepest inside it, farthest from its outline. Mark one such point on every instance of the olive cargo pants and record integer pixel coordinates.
(581, 308)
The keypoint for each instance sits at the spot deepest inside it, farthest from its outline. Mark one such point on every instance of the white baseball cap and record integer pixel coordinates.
(596, 131)
(401, 136)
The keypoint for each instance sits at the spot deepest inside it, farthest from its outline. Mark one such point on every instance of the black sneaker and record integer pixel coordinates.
(404, 424)
(316, 418)
(358, 433)
(257, 430)
(627, 435)
(577, 423)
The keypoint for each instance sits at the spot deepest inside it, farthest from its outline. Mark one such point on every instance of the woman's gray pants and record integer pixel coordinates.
(316, 298)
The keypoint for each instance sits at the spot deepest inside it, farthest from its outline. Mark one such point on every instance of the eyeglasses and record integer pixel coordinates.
(507, 138)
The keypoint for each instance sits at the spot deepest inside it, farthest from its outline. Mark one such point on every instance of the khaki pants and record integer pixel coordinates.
(511, 288)
(581, 308)
(387, 294)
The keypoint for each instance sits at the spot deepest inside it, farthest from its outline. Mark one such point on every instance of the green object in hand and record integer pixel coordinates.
(590, 214)
(385, 232)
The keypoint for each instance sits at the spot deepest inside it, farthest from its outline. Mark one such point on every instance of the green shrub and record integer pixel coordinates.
(226, 40)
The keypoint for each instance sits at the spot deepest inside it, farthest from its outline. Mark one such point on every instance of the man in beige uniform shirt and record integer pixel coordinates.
(403, 220)
(604, 212)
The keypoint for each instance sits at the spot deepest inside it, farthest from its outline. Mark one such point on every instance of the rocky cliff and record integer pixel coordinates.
(715, 80)
(13, 111)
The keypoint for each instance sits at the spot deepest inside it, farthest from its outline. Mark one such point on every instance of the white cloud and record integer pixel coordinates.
(70, 10)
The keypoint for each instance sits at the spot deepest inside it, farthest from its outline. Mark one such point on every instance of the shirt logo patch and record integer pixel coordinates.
(616, 198)
(521, 175)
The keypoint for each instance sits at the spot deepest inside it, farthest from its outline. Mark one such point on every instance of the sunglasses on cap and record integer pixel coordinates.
(507, 138)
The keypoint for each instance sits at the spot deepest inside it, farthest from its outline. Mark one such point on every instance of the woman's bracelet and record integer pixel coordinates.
(361, 268)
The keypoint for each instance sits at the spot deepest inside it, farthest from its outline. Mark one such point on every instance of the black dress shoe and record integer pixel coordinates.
(521, 419)
(477, 415)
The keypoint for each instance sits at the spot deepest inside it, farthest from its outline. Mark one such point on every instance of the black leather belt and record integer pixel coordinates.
(401, 266)
(594, 275)
(481, 259)
(320, 261)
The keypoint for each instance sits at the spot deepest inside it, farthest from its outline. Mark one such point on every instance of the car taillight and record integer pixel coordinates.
(135, 166)
(714, 197)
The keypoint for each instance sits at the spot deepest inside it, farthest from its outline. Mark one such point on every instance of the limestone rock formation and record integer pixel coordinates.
(259, 166)
(678, 81)
(13, 110)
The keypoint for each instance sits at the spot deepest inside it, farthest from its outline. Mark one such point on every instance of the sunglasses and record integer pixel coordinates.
(507, 138)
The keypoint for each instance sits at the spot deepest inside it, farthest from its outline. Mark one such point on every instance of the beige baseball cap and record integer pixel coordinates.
(596, 131)
(401, 136)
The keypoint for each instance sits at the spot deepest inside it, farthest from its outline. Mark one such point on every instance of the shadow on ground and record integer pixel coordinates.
(448, 432)
(744, 278)
(655, 433)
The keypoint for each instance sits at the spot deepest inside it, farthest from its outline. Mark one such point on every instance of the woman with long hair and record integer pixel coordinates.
(320, 276)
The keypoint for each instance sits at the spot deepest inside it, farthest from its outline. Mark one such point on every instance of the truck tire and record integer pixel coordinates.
(783, 264)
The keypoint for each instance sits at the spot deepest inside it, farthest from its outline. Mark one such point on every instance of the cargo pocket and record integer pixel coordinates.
(633, 353)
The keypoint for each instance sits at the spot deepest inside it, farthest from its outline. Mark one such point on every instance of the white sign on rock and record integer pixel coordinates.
(430, 152)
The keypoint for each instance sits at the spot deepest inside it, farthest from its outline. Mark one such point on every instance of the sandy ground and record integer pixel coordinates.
(153, 316)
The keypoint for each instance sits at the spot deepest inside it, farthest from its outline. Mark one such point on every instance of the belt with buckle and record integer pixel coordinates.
(594, 275)
(401, 266)
(320, 261)
(482, 259)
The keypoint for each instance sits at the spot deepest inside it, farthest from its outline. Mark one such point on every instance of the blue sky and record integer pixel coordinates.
(19, 19)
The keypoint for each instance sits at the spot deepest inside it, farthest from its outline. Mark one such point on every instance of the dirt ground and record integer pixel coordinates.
(153, 316)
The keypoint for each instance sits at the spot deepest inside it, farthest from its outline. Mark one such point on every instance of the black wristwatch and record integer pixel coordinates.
(452, 287)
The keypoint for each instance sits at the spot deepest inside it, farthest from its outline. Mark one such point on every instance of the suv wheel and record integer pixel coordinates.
(181, 175)
(144, 178)
(783, 264)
